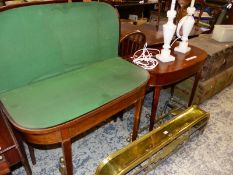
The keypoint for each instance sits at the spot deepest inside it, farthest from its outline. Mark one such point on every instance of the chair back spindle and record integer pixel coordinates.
(131, 43)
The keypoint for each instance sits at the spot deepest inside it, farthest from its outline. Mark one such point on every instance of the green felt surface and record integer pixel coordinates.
(62, 98)
(37, 42)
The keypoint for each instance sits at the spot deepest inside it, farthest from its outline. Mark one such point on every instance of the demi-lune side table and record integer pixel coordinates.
(164, 74)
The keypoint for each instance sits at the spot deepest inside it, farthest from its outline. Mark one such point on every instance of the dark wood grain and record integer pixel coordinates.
(4, 167)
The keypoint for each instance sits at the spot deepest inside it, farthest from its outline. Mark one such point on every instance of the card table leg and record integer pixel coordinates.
(26, 163)
(137, 114)
(66, 148)
(67, 151)
(154, 107)
(32, 154)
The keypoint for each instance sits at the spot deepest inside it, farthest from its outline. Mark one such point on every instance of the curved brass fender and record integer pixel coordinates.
(166, 138)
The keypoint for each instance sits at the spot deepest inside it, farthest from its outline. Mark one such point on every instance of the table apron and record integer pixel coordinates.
(173, 77)
(83, 123)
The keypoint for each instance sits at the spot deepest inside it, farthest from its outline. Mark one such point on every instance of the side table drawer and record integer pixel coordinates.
(11, 147)
(7, 144)
(4, 166)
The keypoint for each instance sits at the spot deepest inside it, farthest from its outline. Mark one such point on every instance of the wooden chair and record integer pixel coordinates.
(131, 43)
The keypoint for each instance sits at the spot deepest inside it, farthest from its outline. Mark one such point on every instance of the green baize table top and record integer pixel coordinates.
(59, 99)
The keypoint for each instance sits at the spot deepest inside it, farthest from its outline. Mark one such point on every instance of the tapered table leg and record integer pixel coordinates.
(137, 114)
(32, 153)
(197, 77)
(66, 148)
(154, 107)
(67, 151)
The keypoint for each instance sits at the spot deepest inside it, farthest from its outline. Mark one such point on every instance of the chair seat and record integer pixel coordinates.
(62, 98)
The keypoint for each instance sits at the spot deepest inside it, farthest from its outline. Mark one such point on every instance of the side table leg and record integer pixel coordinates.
(137, 114)
(154, 107)
(197, 77)
(172, 90)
